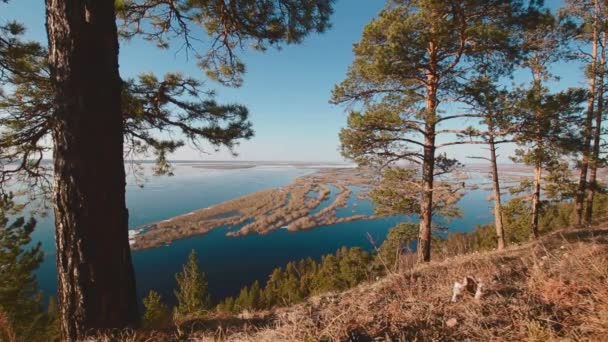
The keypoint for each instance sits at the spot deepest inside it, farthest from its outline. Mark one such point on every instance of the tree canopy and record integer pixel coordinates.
(229, 25)
(413, 57)
(161, 114)
(192, 293)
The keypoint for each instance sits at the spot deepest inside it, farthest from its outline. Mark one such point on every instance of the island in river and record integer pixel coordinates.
(292, 207)
(296, 206)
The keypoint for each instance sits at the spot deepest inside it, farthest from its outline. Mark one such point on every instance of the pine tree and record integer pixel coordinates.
(547, 123)
(546, 134)
(272, 290)
(517, 217)
(327, 278)
(89, 192)
(20, 299)
(192, 291)
(227, 305)
(596, 160)
(243, 302)
(485, 98)
(255, 296)
(396, 193)
(397, 242)
(353, 263)
(156, 313)
(590, 17)
(308, 269)
(346, 268)
(410, 60)
(290, 287)
(53, 321)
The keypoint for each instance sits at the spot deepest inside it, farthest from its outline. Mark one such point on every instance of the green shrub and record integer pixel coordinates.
(192, 291)
(20, 298)
(156, 314)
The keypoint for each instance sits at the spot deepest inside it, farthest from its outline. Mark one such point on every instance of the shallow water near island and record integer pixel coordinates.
(231, 263)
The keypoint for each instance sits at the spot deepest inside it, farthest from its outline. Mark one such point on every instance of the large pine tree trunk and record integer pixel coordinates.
(587, 130)
(500, 232)
(96, 285)
(597, 135)
(536, 200)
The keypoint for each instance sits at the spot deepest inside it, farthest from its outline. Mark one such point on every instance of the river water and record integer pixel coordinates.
(230, 263)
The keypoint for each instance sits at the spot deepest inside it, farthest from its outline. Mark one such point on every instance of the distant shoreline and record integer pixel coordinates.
(235, 165)
(220, 166)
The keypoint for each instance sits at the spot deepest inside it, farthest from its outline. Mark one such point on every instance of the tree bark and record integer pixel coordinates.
(536, 200)
(597, 131)
(96, 284)
(428, 174)
(426, 204)
(500, 233)
(587, 129)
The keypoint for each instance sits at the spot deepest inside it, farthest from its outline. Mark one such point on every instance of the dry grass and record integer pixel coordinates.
(551, 290)
(6, 329)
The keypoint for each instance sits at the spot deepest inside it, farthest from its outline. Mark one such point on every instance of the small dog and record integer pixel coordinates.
(469, 284)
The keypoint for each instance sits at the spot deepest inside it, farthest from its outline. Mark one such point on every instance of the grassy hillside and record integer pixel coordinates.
(552, 289)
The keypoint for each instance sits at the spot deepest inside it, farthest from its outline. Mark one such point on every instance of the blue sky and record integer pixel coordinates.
(287, 91)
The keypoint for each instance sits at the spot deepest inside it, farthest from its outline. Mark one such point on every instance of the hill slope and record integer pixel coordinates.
(555, 288)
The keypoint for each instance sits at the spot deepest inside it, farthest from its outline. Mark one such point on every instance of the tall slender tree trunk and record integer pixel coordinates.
(582, 182)
(426, 204)
(428, 175)
(538, 160)
(536, 200)
(96, 285)
(500, 232)
(597, 132)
